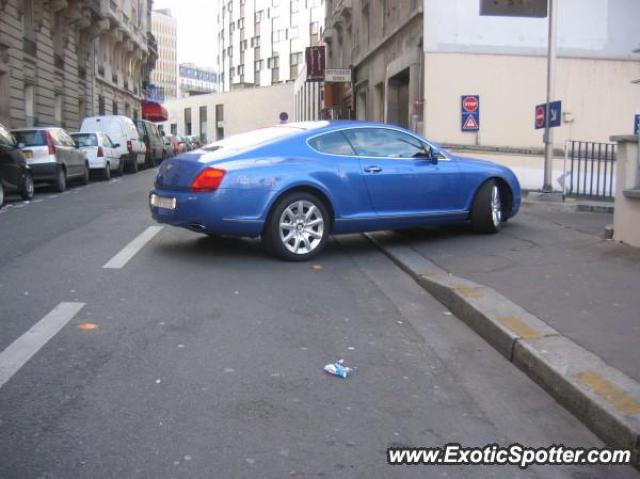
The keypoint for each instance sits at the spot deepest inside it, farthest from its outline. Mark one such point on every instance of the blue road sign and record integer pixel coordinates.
(470, 112)
(555, 115)
(636, 125)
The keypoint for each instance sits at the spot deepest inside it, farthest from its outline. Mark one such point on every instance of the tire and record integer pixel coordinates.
(106, 173)
(133, 167)
(121, 163)
(86, 175)
(60, 183)
(27, 188)
(1, 194)
(486, 211)
(309, 227)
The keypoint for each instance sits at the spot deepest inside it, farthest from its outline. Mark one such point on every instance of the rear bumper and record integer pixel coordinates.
(97, 163)
(211, 213)
(44, 171)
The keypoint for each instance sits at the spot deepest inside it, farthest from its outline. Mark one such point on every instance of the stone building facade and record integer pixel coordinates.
(381, 41)
(62, 60)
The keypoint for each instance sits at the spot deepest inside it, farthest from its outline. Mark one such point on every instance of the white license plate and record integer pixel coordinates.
(162, 202)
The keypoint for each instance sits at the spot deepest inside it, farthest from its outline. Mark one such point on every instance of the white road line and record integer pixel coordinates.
(122, 258)
(26, 346)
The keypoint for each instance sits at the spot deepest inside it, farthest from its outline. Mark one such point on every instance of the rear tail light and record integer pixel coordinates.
(51, 144)
(129, 146)
(208, 180)
(100, 152)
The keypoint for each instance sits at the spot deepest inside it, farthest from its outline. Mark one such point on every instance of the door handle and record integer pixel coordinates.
(373, 169)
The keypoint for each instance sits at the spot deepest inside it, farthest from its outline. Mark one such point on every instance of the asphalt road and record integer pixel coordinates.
(207, 358)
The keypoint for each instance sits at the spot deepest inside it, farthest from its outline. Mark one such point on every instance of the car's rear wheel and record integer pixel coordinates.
(106, 173)
(60, 183)
(134, 165)
(85, 175)
(120, 170)
(27, 188)
(297, 228)
(486, 212)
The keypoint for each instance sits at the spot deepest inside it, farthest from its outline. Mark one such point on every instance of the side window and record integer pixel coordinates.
(382, 142)
(334, 143)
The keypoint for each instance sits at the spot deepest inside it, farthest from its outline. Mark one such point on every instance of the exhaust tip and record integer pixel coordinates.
(197, 227)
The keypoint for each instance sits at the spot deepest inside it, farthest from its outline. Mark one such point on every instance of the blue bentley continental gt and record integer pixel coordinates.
(295, 184)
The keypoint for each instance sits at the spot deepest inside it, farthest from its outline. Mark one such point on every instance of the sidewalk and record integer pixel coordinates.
(554, 263)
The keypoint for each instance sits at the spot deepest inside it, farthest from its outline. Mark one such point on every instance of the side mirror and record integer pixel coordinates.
(21, 145)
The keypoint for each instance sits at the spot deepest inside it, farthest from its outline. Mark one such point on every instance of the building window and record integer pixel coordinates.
(273, 62)
(232, 73)
(241, 23)
(259, 65)
(29, 105)
(174, 128)
(187, 121)
(100, 105)
(114, 109)
(295, 6)
(240, 69)
(58, 108)
(294, 32)
(243, 45)
(296, 58)
(203, 124)
(258, 16)
(255, 41)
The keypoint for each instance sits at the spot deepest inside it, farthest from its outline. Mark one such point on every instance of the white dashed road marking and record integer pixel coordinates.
(26, 346)
(122, 258)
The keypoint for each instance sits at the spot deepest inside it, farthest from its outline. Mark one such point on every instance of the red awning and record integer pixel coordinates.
(154, 112)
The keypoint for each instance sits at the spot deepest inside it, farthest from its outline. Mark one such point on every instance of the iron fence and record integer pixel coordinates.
(589, 169)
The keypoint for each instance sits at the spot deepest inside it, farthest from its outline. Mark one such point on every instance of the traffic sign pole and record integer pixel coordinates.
(547, 186)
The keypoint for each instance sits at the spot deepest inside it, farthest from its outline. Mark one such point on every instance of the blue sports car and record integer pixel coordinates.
(295, 184)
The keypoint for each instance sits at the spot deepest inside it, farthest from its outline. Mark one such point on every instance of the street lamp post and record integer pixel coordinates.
(547, 186)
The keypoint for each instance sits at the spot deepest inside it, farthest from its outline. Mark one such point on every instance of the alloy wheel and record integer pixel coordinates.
(496, 206)
(301, 227)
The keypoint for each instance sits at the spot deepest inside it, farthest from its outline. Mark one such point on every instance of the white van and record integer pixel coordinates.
(121, 130)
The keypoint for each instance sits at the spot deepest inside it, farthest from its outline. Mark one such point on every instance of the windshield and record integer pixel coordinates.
(85, 139)
(251, 139)
(31, 138)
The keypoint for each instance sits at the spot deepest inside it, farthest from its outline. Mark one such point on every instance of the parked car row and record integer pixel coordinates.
(176, 144)
(105, 145)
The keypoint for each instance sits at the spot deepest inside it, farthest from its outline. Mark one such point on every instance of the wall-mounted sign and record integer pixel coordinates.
(514, 8)
(337, 75)
(314, 59)
(470, 112)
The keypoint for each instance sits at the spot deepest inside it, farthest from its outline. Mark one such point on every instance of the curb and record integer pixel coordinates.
(602, 397)
(582, 207)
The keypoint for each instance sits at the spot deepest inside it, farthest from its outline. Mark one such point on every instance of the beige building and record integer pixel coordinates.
(165, 75)
(217, 115)
(61, 61)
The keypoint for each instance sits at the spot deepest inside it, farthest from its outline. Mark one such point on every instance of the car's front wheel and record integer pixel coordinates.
(27, 188)
(298, 227)
(486, 212)
(85, 178)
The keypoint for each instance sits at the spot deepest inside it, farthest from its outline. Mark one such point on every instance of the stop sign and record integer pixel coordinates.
(540, 114)
(470, 103)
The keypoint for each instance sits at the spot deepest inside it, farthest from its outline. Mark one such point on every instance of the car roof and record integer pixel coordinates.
(37, 128)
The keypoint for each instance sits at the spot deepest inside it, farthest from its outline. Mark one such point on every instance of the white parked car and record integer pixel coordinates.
(52, 156)
(102, 154)
(122, 131)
